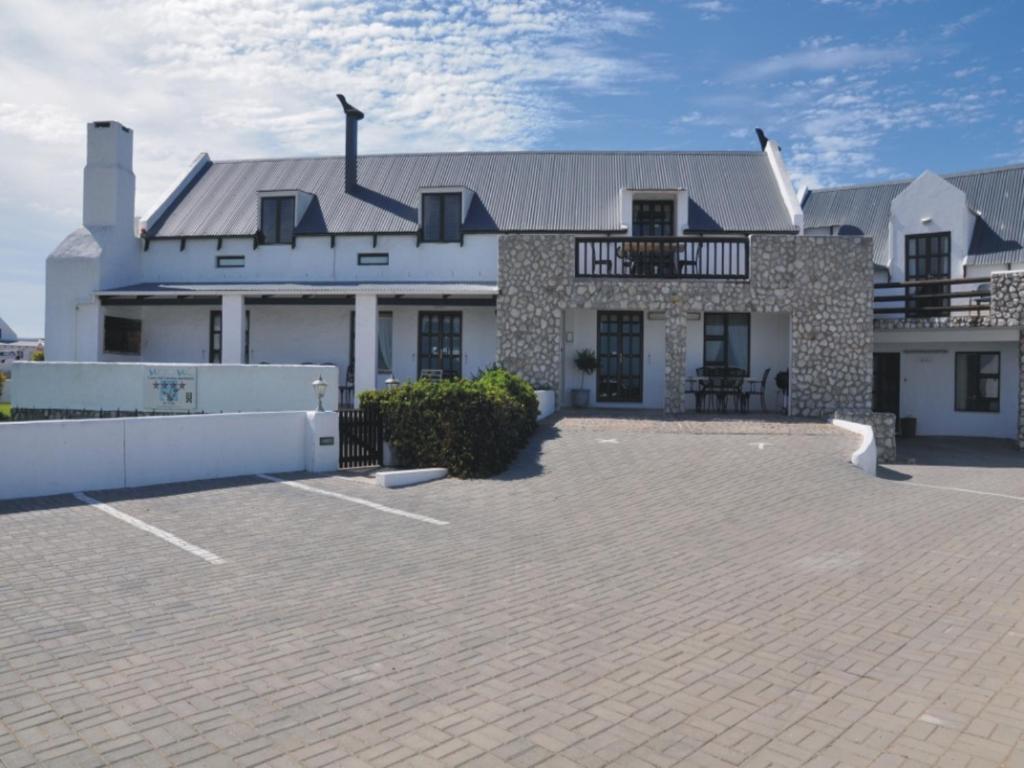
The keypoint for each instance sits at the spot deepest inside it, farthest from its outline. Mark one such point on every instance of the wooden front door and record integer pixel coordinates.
(620, 357)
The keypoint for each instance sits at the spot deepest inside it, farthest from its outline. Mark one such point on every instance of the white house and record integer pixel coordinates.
(388, 265)
(940, 355)
(12, 348)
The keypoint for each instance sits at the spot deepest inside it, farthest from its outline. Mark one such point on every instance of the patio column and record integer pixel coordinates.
(366, 343)
(232, 323)
(675, 359)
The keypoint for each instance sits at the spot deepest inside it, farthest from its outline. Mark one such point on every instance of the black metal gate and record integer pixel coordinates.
(362, 437)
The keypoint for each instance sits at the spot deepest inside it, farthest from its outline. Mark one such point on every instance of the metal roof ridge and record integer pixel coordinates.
(518, 152)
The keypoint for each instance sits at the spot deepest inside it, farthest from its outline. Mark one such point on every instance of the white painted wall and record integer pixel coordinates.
(313, 259)
(121, 386)
(769, 348)
(928, 381)
(582, 324)
(42, 458)
(929, 197)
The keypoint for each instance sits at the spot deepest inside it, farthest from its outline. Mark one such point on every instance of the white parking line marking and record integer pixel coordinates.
(964, 490)
(609, 441)
(760, 446)
(355, 500)
(160, 533)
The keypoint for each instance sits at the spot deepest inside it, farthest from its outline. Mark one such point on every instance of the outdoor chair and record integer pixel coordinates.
(758, 388)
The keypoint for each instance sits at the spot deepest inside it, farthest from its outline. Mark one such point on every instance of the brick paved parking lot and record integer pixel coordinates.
(623, 596)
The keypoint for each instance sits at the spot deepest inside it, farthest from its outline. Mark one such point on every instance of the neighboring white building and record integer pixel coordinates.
(383, 265)
(12, 348)
(938, 358)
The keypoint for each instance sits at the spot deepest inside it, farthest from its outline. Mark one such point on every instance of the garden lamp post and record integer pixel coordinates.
(319, 388)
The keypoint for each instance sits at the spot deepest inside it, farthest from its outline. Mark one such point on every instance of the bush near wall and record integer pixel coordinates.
(474, 428)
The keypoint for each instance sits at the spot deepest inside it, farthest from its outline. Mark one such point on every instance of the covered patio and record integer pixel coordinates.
(370, 331)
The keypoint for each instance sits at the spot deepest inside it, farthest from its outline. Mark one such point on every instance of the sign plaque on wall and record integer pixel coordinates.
(170, 388)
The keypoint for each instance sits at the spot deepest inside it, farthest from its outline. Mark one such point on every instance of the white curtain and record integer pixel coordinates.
(384, 343)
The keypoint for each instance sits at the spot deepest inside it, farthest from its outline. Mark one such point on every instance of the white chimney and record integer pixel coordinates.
(109, 197)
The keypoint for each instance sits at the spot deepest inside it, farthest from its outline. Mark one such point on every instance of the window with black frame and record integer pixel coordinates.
(977, 381)
(122, 335)
(440, 344)
(216, 340)
(727, 340)
(442, 217)
(653, 218)
(277, 220)
(928, 258)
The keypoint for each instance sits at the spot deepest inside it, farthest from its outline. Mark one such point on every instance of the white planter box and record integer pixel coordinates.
(545, 402)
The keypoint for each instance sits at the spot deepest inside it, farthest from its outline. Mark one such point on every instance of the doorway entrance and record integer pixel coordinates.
(885, 395)
(620, 357)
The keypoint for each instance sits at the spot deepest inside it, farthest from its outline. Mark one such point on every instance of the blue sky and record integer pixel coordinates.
(854, 90)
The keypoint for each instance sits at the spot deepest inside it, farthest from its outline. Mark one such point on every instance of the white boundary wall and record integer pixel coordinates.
(865, 457)
(121, 386)
(41, 458)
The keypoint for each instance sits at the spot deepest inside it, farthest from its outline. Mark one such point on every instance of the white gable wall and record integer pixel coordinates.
(314, 260)
(929, 197)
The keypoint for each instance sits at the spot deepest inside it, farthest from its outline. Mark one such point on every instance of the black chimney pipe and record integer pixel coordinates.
(352, 118)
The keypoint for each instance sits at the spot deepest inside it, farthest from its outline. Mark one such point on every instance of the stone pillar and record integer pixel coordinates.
(675, 360)
(232, 325)
(366, 344)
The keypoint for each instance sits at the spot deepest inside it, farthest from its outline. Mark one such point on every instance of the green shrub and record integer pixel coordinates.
(474, 428)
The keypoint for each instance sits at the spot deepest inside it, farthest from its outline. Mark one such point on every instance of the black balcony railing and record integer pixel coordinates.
(933, 298)
(673, 258)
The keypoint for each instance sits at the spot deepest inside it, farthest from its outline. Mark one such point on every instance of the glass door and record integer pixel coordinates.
(928, 259)
(620, 357)
(440, 345)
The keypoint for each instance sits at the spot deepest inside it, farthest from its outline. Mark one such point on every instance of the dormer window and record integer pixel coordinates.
(277, 220)
(442, 217)
(653, 218)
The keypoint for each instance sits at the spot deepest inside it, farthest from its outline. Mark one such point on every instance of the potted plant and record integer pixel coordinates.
(782, 382)
(586, 363)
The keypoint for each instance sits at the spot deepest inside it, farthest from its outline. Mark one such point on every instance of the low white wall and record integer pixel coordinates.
(865, 457)
(42, 458)
(122, 386)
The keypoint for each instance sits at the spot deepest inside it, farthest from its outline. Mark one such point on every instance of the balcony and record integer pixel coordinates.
(664, 258)
(967, 297)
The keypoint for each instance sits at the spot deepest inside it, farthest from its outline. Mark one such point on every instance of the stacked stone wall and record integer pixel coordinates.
(824, 284)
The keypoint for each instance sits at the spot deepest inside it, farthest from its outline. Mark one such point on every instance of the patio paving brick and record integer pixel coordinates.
(635, 591)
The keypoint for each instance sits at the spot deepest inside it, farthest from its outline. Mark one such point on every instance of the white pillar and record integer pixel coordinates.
(232, 324)
(88, 332)
(366, 343)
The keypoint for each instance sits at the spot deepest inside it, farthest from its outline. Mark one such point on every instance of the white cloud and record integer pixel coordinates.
(244, 78)
(868, 5)
(953, 27)
(711, 10)
(823, 58)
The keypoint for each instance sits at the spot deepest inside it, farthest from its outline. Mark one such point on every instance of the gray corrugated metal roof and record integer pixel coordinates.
(515, 191)
(996, 194)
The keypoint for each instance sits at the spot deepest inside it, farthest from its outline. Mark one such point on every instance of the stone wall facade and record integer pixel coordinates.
(824, 284)
(1007, 298)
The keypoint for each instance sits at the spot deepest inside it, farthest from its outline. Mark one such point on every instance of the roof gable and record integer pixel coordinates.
(995, 195)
